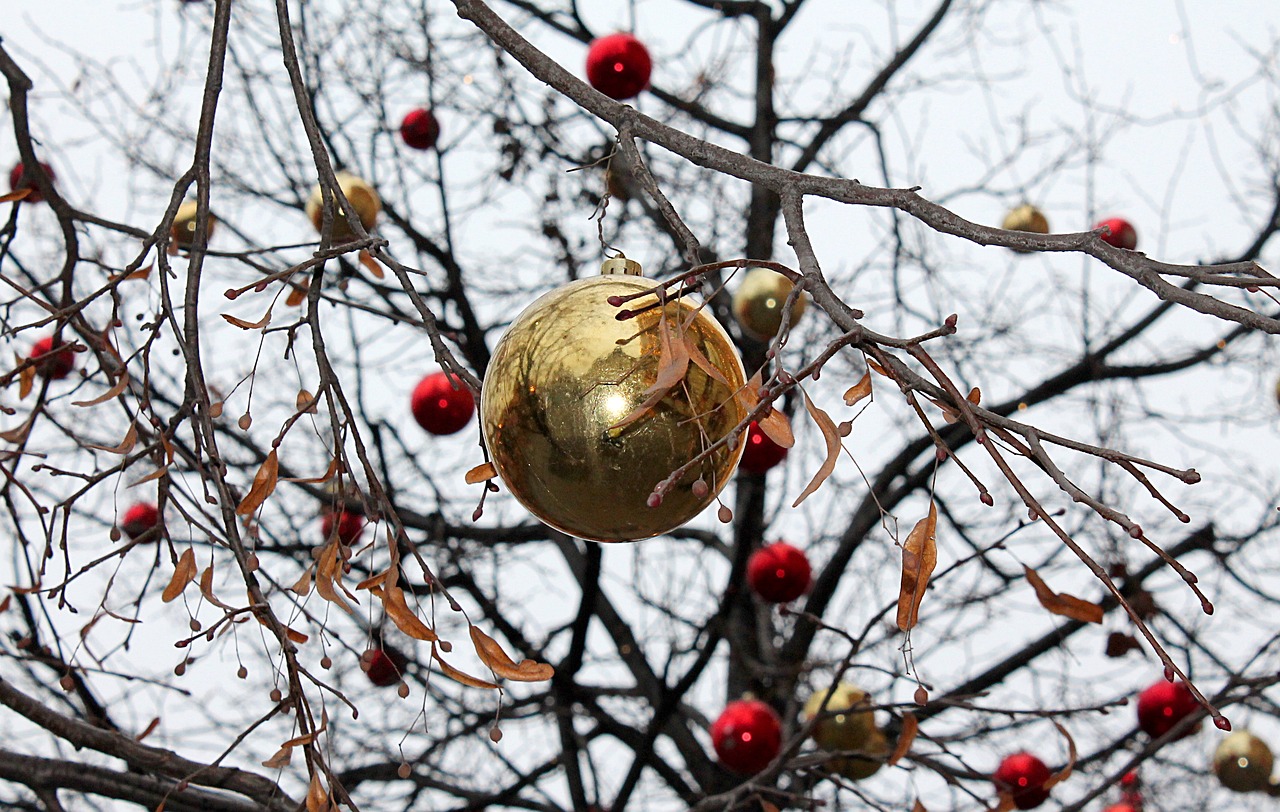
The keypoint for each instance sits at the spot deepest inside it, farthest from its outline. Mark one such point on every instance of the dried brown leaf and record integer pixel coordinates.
(315, 480)
(372, 264)
(16, 194)
(293, 634)
(1062, 604)
(280, 760)
(1072, 755)
(777, 427)
(19, 434)
(206, 589)
(832, 435)
(910, 726)
(329, 571)
(156, 474)
(126, 445)
(317, 796)
(460, 676)
(249, 325)
(374, 580)
(700, 360)
(264, 483)
(26, 381)
(297, 294)
(765, 806)
(406, 620)
(4, 604)
(303, 584)
(183, 574)
(1120, 644)
(859, 390)
(673, 365)
(113, 392)
(481, 473)
(975, 396)
(918, 807)
(919, 557)
(492, 654)
(151, 728)
(875, 367)
(306, 402)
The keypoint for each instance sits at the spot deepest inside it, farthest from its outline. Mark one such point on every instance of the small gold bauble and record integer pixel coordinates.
(568, 371)
(183, 232)
(1026, 218)
(1243, 762)
(847, 722)
(855, 768)
(758, 302)
(361, 196)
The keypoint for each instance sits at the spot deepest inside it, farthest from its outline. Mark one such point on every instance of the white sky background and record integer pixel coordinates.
(1166, 178)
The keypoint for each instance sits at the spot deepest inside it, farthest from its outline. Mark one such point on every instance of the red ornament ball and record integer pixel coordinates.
(759, 453)
(349, 523)
(1122, 807)
(1163, 705)
(618, 66)
(747, 736)
(1024, 776)
(1123, 234)
(16, 182)
(140, 518)
(779, 573)
(54, 363)
(439, 408)
(384, 666)
(419, 129)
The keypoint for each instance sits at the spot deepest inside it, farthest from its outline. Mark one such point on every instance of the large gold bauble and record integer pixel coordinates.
(1243, 762)
(183, 232)
(855, 768)
(847, 722)
(758, 303)
(1026, 218)
(567, 371)
(361, 196)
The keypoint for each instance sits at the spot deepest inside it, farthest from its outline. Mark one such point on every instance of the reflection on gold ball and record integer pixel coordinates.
(758, 301)
(855, 768)
(848, 720)
(1026, 218)
(567, 371)
(1243, 762)
(183, 232)
(362, 197)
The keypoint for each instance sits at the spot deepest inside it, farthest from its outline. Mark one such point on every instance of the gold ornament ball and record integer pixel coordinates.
(1243, 762)
(847, 722)
(1026, 218)
(362, 197)
(758, 303)
(855, 768)
(183, 232)
(567, 372)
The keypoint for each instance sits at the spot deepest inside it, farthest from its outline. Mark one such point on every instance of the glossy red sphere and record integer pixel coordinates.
(1123, 234)
(1122, 807)
(419, 129)
(779, 572)
(139, 518)
(349, 523)
(1023, 776)
(439, 408)
(747, 736)
(618, 66)
(53, 363)
(1163, 705)
(16, 183)
(759, 453)
(384, 666)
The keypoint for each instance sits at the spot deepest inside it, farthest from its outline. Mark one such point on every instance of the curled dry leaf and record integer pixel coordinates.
(919, 557)
(293, 634)
(765, 806)
(317, 795)
(1120, 644)
(775, 424)
(918, 807)
(26, 381)
(493, 655)
(1072, 754)
(305, 403)
(156, 474)
(297, 294)
(481, 473)
(249, 325)
(700, 360)
(19, 434)
(206, 589)
(329, 572)
(303, 585)
(859, 390)
(876, 368)
(126, 445)
(910, 726)
(975, 396)
(264, 483)
(406, 620)
(673, 365)
(372, 264)
(329, 473)
(113, 392)
(16, 194)
(460, 676)
(1065, 605)
(151, 728)
(374, 581)
(183, 574)
(832, 435)
(281, 759)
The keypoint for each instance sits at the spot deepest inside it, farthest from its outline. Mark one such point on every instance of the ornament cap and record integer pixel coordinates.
(622, 266)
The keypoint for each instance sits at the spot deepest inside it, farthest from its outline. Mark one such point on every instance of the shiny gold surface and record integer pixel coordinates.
(566, 372)
(853, 722)
(856, 769)
(184, 225)
(362, 197)
(758, 302)
(1243, 762)
(1026, 218)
